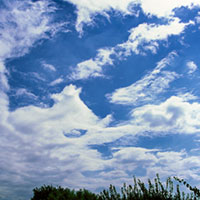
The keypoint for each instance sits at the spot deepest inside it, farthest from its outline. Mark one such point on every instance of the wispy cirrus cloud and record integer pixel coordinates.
(143, 38)
(25, 92)
(56, 82)
(147, 88)
(22, 25)
(48, 66)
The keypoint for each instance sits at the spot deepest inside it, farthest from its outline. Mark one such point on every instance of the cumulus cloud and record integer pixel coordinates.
(146, 36)
(175, 115)
(147, 88)
(192, 67)
(93, 67)
(166, 8)
(34, 146)
(34, 140)
(166, 163)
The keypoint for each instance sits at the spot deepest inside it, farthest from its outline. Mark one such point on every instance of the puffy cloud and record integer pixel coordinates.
(38, 147)
(34, 140)
(175, 115)
(34, 143)
(166, 8)
(192, 67)
(152, 161)
(146, 36)
(93, 67)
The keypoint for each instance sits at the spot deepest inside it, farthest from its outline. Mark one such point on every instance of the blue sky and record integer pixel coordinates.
(94, 92)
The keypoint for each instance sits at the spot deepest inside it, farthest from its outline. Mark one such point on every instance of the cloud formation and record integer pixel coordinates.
(143, 38)
(147, 88)
(192, 67)
(87, 10)
(62, 144)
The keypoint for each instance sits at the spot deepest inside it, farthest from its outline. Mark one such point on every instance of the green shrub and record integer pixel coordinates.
(155, 190)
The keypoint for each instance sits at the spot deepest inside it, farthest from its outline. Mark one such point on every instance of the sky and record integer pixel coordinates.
(95, 92)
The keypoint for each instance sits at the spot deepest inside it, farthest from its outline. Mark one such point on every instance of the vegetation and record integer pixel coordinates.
(139, 191)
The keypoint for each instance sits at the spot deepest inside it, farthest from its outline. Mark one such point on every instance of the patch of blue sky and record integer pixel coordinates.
(64, 51)
(168, 142)
(185, 14)
(75, 133)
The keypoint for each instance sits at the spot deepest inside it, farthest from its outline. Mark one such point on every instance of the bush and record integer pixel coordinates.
(139, 191)
(58, 193)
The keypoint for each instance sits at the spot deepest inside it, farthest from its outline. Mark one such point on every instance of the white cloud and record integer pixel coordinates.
(57, 81)
(197, 19)
(86, 69)
(4, 86)
(93, 67)
(33, 139)
(87, 9)
(147, 88)
(192, 67)
(21, 28)
(166, 163)
(145, 37)
(174, 115)
(142, 38)
(48, 66)
(23, 23)
(23, 91)
(152, 161)
(165, 8)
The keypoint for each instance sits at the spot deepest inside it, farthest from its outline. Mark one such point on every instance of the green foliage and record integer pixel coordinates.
(58, 193)
(155, 190)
